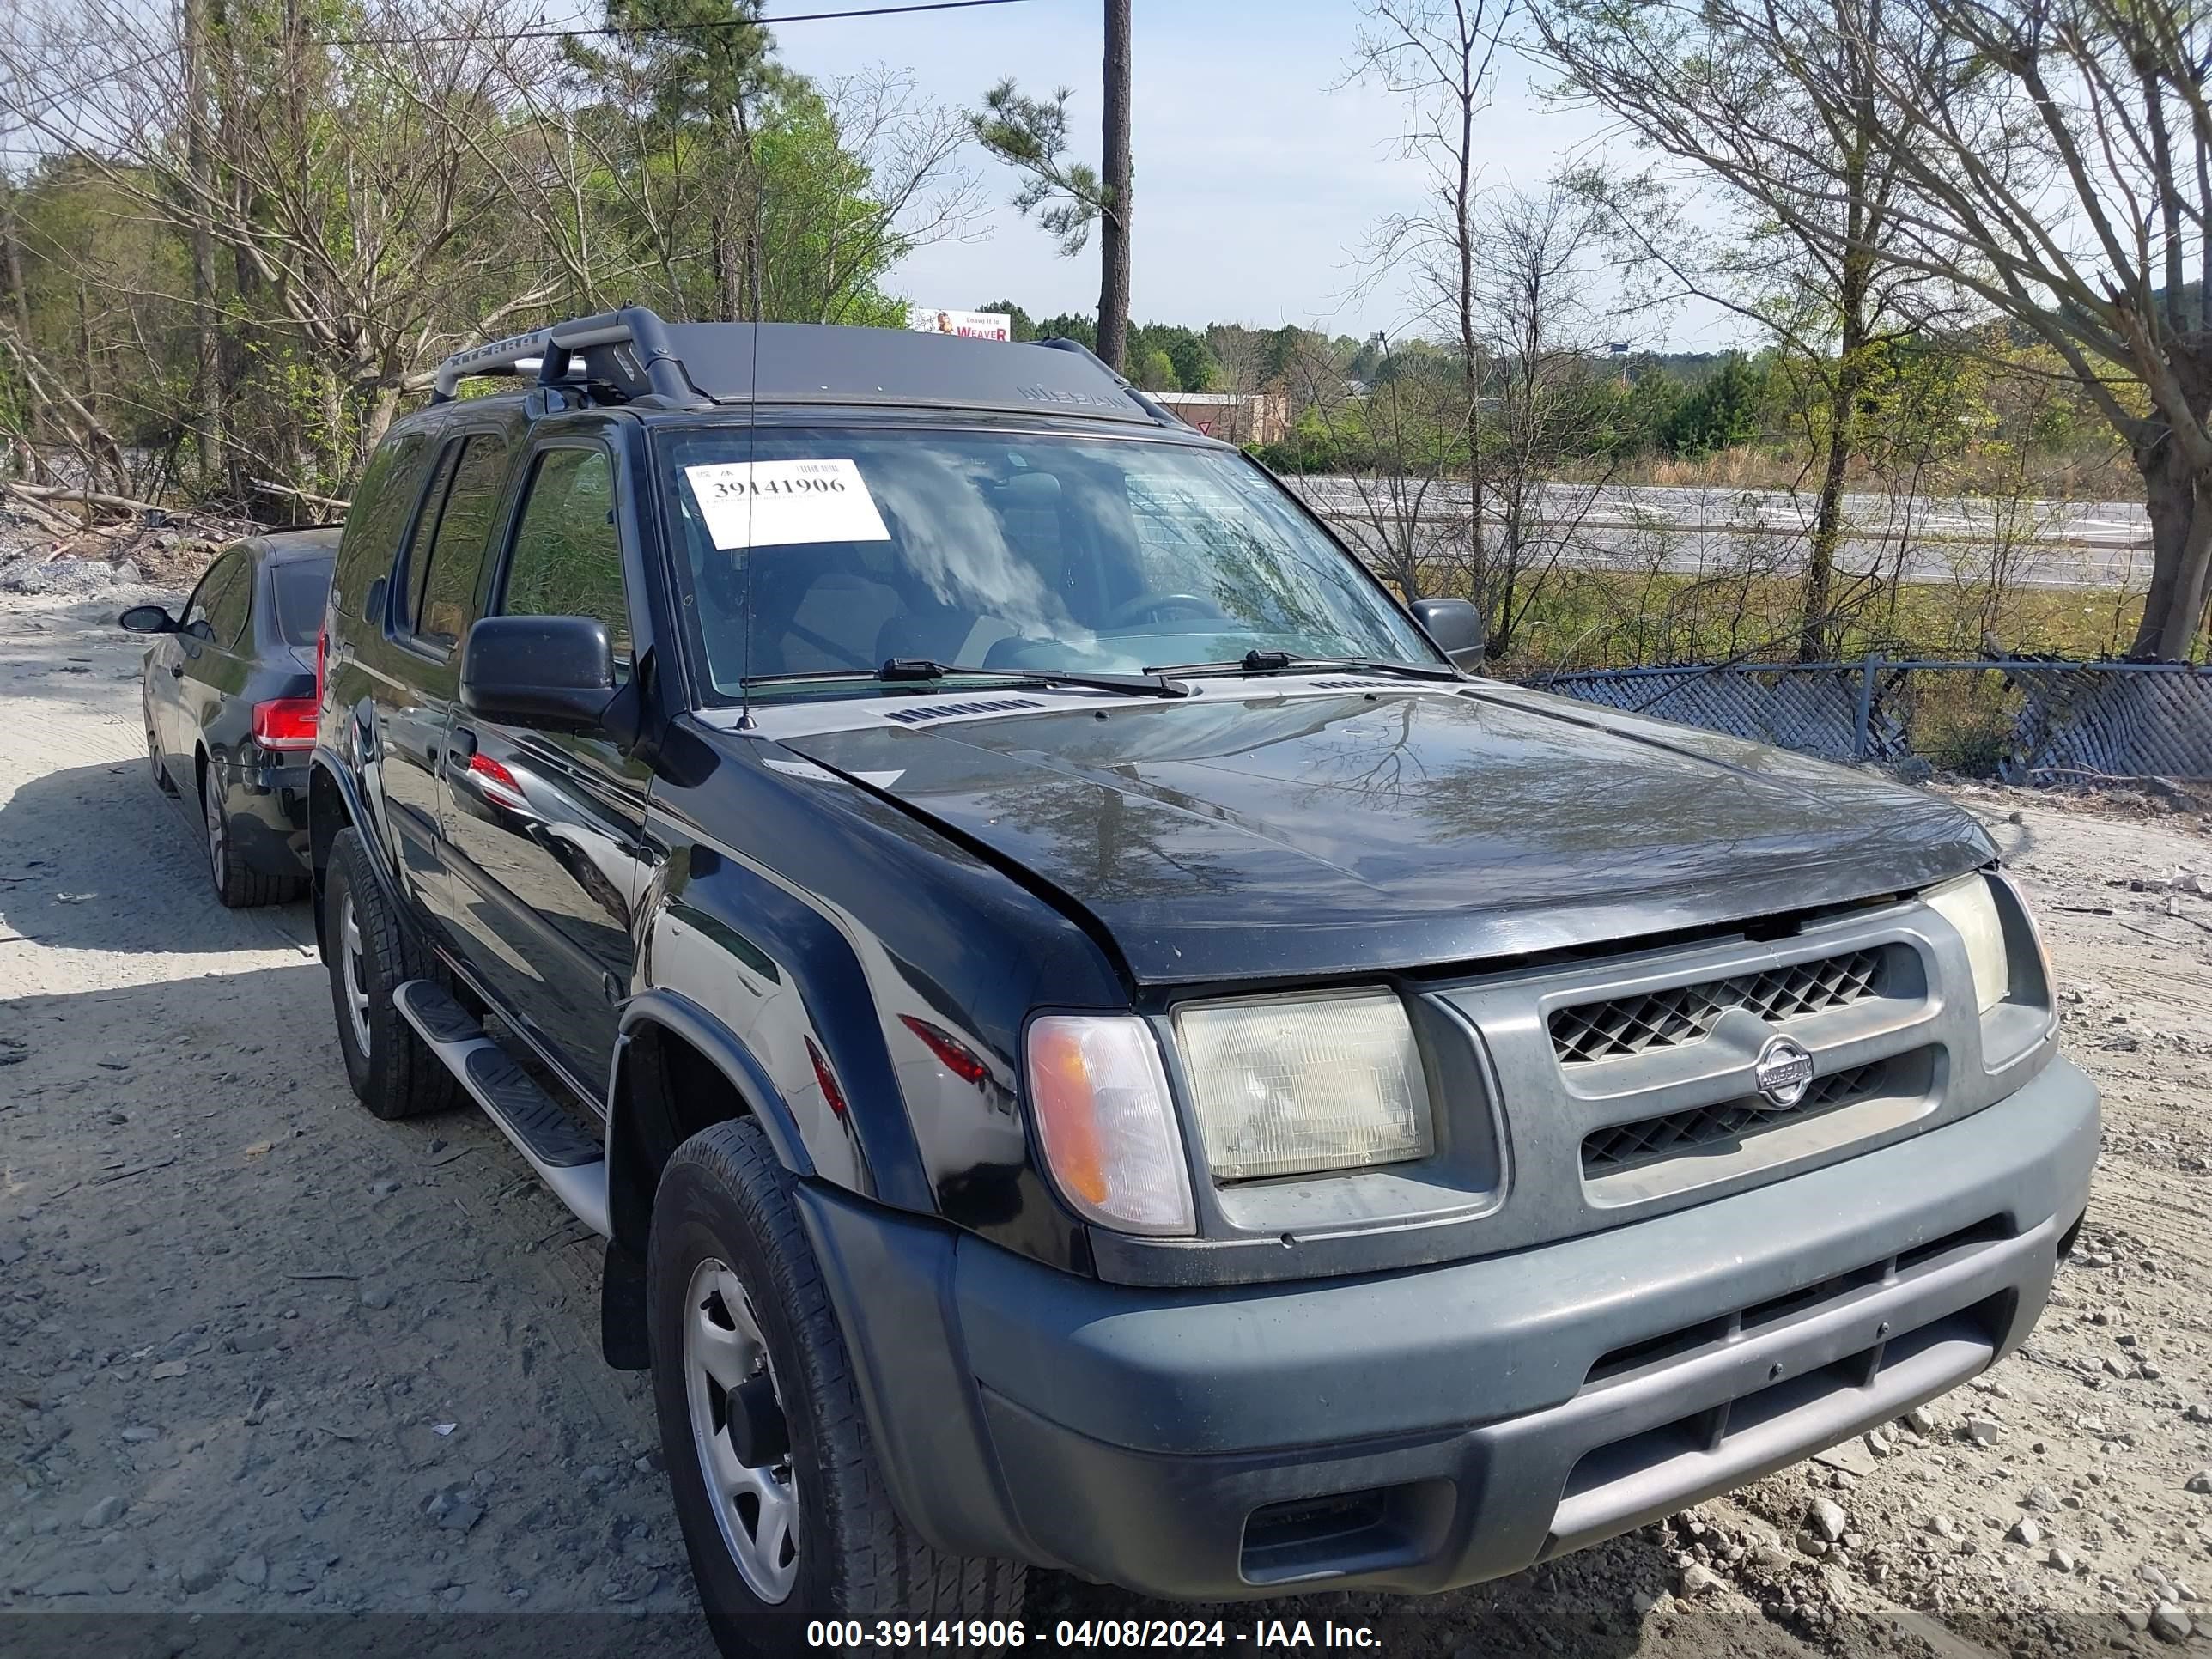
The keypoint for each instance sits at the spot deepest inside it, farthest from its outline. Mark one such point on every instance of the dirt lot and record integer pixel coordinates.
(261, 1354)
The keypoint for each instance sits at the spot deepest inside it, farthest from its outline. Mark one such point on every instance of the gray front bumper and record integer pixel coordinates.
(1491, 1413)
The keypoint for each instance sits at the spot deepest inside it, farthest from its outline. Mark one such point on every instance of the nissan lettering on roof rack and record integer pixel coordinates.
(1093, 1037)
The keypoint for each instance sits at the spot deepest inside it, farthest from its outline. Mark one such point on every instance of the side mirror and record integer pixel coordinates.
(551, 673)
(148, 619)
(1457, 629)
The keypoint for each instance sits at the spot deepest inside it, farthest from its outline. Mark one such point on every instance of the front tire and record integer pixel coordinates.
(773, 1471)
(392, 1071)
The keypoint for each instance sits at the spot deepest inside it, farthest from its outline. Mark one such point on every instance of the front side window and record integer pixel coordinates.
(828, 552)
(567, 554)
(215, 609)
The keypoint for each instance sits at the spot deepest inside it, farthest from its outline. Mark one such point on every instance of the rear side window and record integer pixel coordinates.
(408, 612)
(443, 593)
(568, 554)
(300, 586)
(378, 517)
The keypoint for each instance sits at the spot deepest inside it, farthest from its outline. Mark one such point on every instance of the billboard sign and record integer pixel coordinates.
(969, 325)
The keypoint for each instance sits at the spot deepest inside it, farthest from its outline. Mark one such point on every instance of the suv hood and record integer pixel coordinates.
(1251, 833)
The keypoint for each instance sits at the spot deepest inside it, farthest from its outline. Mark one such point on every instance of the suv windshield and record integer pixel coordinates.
(1011, 553)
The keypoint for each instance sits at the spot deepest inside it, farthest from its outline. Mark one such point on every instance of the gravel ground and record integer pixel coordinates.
(262, 1355)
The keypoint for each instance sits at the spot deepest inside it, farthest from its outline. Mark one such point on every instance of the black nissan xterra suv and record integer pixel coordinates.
(1090, 1040)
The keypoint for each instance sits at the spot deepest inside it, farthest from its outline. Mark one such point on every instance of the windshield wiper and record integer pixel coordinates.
(1151, 682)
(1278, 662)
(1148, 684)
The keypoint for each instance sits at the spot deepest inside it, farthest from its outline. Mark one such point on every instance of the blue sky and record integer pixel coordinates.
(1258, 173)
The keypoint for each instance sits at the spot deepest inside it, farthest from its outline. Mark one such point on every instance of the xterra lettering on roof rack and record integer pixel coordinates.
(632, 357)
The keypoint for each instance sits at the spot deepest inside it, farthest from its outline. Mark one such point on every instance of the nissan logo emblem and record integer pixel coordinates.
(1784, 1072)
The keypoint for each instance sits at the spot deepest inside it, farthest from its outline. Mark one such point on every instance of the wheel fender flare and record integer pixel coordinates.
(630, 1196)
(325, 771)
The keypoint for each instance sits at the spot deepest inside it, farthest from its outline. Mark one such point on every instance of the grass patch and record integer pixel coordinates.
(1586, 619)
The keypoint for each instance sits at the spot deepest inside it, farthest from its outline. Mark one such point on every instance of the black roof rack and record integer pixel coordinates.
(631, 344)
(633, 356)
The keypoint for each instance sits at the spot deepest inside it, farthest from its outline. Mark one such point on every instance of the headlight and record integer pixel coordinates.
(1969, 906)
(1107, 1125)
(1318, 1083)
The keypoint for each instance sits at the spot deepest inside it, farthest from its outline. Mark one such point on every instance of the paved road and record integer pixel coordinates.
(1700, 530)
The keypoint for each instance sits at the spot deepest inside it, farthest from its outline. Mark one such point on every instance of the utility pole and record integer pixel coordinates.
(1114, 232)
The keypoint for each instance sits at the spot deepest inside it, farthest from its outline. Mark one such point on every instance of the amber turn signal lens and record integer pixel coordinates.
(1067, 1110)
(1106, 1124)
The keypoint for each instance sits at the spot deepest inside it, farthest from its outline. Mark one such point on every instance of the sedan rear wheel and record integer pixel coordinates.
(236, 887)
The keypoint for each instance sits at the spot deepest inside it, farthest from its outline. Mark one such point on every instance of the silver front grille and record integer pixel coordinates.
(1683, 1014)
(1631, 1084)
(1679, 1133)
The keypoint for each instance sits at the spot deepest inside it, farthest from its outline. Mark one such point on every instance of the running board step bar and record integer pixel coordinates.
(566, 1158)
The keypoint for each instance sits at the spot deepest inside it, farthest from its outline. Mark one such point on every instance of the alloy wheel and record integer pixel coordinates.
(355, 973)
(737, 1430)
(218, 841)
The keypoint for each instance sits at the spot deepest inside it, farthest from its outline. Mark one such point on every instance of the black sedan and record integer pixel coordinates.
(230, 699)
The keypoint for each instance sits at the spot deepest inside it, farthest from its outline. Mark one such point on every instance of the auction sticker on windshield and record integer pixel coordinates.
(779, 503)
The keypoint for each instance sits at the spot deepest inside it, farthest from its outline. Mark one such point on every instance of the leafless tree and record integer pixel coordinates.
(1242, 368)
(620, 204)
(919, 192)
(1400, 501)
(2048, 162)
(1534, 276)
(1441, 58)
(334, 214)
(311, 169)
(1809, 195)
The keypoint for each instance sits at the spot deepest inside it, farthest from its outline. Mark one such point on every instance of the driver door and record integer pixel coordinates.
(544, 830)
(178, 653)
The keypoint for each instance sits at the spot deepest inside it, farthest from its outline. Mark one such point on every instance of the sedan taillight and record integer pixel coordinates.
(285, 723)
(497, 784)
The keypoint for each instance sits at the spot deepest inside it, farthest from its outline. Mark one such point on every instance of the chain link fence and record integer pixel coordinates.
(2027, 720)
